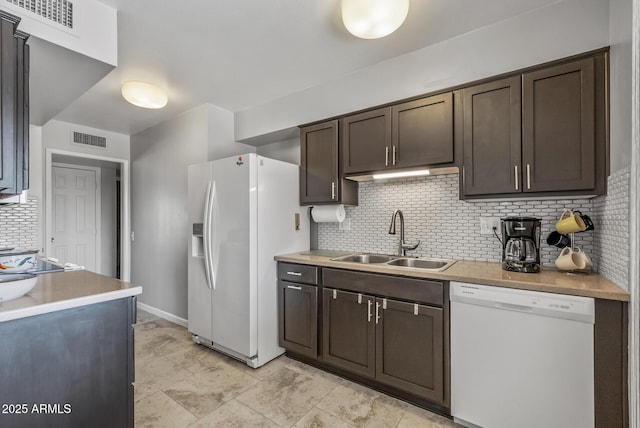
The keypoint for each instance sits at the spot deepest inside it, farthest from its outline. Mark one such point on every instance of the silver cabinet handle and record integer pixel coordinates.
(528, 176)
(369, 314)
(386, 156)
(377, 312)
(393, 157)
(294, 287)
(515, 174)
(294, 273)
(333, 190)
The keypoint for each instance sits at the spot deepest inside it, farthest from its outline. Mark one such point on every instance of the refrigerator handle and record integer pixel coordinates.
(205, 234)
(212, 224)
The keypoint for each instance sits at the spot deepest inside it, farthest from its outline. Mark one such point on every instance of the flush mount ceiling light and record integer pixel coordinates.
(143, 94)
(415, 173)
(372, 19)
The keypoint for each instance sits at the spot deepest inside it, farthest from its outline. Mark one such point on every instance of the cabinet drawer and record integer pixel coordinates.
(412, 289)
(298, 273)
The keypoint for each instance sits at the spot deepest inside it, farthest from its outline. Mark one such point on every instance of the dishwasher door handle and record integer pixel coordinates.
(512, 307)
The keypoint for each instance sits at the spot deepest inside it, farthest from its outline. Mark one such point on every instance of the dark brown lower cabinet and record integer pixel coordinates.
(397, 343)
(409, 348)
(298, 318)
(348, 331)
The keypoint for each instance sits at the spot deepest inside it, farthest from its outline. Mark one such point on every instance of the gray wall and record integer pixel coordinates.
(620, 72)
(159, 159)
(108, 228)
(287, 150)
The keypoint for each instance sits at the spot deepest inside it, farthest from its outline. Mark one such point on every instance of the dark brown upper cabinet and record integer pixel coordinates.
(14, 103)
(541, 133)
(411, 134)
(558, 128)
(367, 141)
(321, 180)
(492, 145)
(422, 132)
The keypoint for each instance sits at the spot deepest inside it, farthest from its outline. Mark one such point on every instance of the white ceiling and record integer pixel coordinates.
(238, 54)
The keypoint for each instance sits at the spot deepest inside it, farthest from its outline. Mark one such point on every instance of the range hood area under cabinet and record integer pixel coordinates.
(540, 131)
(14, 102)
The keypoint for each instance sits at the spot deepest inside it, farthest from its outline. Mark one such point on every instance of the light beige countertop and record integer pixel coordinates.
(65, 290)
(486, 273)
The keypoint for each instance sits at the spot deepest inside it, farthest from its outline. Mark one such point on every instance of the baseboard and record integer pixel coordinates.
(165, 315)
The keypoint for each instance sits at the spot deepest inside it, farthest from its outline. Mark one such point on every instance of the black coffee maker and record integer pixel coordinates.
(521, 244)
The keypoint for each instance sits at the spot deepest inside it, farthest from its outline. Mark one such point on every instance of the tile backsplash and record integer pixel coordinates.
(446, 226)
(611, 213)
(19, 225)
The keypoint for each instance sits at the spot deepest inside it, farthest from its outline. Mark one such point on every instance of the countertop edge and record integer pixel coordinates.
(612, 291)
(45, 308)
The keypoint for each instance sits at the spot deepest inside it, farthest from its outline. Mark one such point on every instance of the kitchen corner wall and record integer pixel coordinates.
(446, 226)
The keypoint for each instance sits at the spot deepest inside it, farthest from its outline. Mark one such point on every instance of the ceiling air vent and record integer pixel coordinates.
(89, 140)
(58, 11)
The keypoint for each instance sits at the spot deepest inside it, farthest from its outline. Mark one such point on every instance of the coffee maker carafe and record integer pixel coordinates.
(521, 244)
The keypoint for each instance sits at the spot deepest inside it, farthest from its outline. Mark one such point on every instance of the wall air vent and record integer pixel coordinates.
(89, 140)
(58, 11)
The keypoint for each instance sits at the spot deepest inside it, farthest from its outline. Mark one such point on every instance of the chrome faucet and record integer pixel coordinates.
(402, 246)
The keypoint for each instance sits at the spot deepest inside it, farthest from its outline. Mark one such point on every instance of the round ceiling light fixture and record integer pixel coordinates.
(143, 94)
(372, 19)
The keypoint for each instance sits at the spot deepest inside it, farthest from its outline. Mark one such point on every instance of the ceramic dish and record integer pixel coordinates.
(17, 261)
(16, 285)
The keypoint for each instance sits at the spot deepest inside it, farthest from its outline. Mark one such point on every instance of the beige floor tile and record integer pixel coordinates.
(144, 316)
(154, 374)
(151, 328)
(317, 418)
(160, 411)
(234, 415)
(417, 417)
(158, 343)
(196, 358)
(205, 391)
(287, 395)
(362, 406)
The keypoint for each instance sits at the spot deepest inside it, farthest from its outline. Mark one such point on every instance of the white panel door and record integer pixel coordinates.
(73, 238)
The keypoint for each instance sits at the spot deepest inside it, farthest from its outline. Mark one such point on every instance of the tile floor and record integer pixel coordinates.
(180, 384)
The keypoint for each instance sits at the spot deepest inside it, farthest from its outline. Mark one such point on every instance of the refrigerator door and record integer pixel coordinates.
(232, 254)
(199, 296)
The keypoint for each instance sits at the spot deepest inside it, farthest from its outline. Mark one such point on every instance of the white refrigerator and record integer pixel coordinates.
(243, 210)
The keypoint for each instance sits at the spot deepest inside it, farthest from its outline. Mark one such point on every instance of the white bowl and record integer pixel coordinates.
(16, 285)
(16, 262)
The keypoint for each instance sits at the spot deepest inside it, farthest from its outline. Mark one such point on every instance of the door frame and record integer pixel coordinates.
(125, 180)
(98, 208)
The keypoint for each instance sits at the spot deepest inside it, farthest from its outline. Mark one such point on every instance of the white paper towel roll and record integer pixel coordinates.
(328, 213)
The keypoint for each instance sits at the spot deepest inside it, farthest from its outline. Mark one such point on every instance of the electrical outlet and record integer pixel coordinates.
(345, 224)
(487, 224)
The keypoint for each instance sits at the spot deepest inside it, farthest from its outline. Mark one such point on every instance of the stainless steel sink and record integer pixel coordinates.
(365, 258)
(437, 265)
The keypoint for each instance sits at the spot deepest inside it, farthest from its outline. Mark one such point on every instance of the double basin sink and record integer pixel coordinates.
(429, 264)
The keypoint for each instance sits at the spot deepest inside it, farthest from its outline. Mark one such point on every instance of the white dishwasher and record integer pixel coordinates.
(521, 359)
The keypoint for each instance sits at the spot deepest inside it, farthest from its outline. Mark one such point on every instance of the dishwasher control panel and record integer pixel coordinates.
(555, 305)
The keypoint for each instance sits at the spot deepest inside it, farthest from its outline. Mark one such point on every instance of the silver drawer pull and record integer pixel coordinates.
(377, 312)
(515, 175)
(294, 273)
(369, 314)
(294, 287)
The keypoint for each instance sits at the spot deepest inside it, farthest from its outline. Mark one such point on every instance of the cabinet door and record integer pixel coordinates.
(558, 138)
(8, 89)
(423, 132)
(367, 141)
(298, 318)
(410, 348)
(22, 112)
(319, 163)
(491, 140)
(348, 336)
